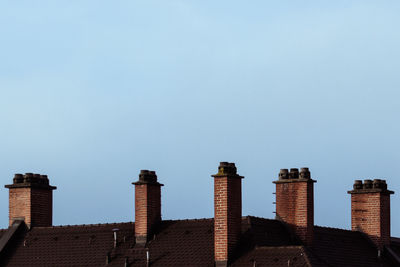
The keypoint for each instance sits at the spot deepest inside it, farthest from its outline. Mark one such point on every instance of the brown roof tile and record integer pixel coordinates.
(81, 245)
(188, 243)
(274, 256)
(337, 247)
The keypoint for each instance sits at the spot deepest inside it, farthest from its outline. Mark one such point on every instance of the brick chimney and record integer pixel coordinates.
(227, 212)
(370, 210)
(147, 205)
(295, 202)
(31, 199)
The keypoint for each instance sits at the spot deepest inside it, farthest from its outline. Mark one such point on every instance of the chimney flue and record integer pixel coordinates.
(295, 202)
(227, 212)
(370, 210)
(147, 205)
(31, 199)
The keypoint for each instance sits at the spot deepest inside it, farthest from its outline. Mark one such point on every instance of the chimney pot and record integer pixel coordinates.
(226, 168)
(377, 183)
(294, 173)
(45, 180)
(367, 184)
(18, 178)
(384, 185)
(305, 173)
(283, 174)
(36, 178)
(147, 176)
(357, 184)
(28, 177)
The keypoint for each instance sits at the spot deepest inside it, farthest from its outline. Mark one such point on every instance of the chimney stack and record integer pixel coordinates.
(147, 205)
(370, 210)
(295, 202)
(31, 199)
(227, 212)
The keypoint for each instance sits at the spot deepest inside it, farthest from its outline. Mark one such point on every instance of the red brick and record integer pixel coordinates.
(370, 214)
(227, 212)
(147, 208)
(31, 202)
(295, 206)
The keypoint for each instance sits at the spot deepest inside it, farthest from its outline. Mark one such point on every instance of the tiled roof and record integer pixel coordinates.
(338, 247)
(274, 256)
(2, 231)
(81, 245)
(396, 244)
(395, 247)
(188, 243)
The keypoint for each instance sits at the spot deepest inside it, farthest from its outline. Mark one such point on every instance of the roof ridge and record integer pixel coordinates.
(334, 228)
(114, 223)
(395, 239)
(81, 225)
(13, 230)
(187, 220)
(130, 222)
(256, 217)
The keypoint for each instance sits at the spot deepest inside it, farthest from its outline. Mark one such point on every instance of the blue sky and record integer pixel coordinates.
(93, 91)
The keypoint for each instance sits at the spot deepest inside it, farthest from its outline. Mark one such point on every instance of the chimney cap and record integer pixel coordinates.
(147, 177)
(227, 169)
(30, 180)
(294, 175)
(370, 186)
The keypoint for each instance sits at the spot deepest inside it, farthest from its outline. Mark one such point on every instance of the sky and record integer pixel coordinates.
(91, 92)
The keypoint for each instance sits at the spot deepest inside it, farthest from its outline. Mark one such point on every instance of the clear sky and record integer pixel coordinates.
(93, 91)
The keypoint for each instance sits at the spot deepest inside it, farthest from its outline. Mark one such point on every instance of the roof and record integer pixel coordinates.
(338, 247)
(80, 245)
(264, 242)
(2, 231)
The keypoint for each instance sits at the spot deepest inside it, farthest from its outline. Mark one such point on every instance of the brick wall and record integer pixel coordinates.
(41, 207)
(147, 205)
(370, 210)
(147, 208)
(31, 198)
(19, 204)
(295, 203)
(227, 212)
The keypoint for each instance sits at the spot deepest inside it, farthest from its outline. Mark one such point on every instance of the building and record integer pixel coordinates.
(228, 239)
